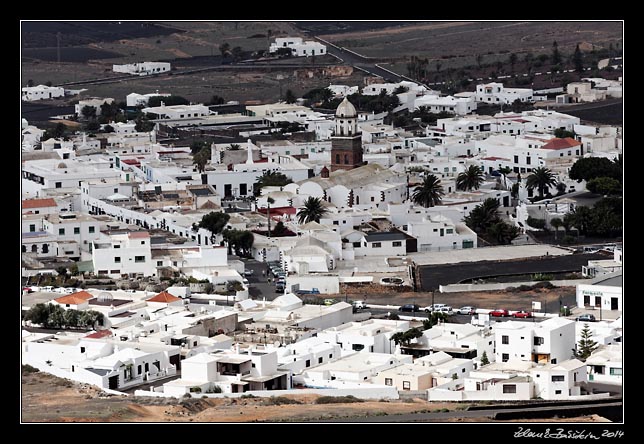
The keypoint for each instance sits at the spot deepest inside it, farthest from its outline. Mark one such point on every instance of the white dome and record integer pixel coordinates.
(346, 109)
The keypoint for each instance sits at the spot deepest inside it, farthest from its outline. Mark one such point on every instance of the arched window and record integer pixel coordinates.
(337, 158)
(346, 158)
(45, 248)
(24, 248)
(357, 200)
(34, 248)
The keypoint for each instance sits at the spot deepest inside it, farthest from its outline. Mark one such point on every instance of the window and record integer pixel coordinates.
(356, 244)
(616, 371)
(59, 185)
(159, 263)
(331, 356)
(558, 378)
(32, 228)
(117, 260)
(406, 385)
(509, 388)
(527, 160)
(337, 158)
(357, 347)
(115, 272)
(516, 159)
(82, 349)
(557, 392)
(372, 199)
(538, 340)
(320, 360)
(117, 246)
(76, 230)
(61, 231)
(308, 363)
(335, 222)
(376, 245)
(449, 231)
(505, 339)
(397, 244)
(389, 381)
(139, 259)
(142, 242)
(505, 357)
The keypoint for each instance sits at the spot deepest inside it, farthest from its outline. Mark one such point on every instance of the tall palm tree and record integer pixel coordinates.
(312, 210)
(472, 177)
(541, 179)
(483, 215)
(556, 223)
(503, 232)
(429, 193)
(269, 201)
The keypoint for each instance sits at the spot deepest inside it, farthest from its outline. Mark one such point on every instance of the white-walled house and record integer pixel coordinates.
(134, 99)
(142, 68)
(496, 93)
(439, 233)
(358, 367)
(559, 381)
(232, 371)
(455, 105)
(368, 336)
(67, 174)
(177, 112)
(604, 297)
(299, 356)
(93, 102)
(41, 92)
(548, 342)
(73, 226)
(299, 47)
(126, 253)
(605, 364)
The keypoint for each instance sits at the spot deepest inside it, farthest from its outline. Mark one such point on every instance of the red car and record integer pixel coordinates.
(499, 313)
(522, 314)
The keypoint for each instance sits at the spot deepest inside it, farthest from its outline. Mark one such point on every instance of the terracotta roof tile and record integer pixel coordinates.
(38, 203)
(164, 297)
(561, 144)
(74, 298)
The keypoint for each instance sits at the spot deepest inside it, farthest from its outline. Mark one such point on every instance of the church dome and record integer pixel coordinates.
(346, 109)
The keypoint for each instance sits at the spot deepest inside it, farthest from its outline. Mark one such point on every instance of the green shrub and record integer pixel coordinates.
(337, 399)
(26, 368)
(280, 400)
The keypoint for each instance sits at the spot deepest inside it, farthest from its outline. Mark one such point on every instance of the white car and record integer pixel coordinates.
(445, 309)
(435, 307)
(467, 310)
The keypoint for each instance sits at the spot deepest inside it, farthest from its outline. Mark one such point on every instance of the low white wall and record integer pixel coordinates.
(377, 392)
(326, 284)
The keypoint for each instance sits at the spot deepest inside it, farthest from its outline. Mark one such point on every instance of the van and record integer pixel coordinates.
(48, 289)
(360, 305)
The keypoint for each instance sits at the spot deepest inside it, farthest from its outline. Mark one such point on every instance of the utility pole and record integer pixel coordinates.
(58, 47)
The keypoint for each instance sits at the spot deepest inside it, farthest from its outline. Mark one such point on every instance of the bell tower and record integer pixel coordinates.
(346, 143)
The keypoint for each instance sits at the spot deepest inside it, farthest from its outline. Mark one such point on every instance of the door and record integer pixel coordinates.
(113, 382)
(228, 190)
(613, 304)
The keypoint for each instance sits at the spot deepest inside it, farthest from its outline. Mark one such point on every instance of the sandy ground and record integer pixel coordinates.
(46, 398)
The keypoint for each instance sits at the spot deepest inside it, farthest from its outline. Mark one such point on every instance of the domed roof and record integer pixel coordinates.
(346, 109)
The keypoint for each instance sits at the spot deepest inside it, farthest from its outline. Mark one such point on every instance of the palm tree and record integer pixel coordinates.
(269, 201)
(312, 210)
(270, 179)
(483, 215)
(430, 193)
(556, 223)
(503, 232)
(472, 177)
(541, 179)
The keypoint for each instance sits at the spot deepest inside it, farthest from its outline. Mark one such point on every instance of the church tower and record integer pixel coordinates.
(346, 143)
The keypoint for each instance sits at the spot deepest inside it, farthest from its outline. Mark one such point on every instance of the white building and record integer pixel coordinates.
(95, 103)
(605, 364)
(354, 368)
(232, 371)
(496, 93)
(50, 173)
(41, 92)
(548, 342)
(559, 381)
(142, 68)
(368, 336)
(134, 99)
(604, 297)
(299, 48)
(299, 356)
(438, 233)
(178, 112)
(455, 105)
(127, 253)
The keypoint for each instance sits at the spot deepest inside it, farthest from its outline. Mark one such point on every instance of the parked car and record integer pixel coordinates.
(330, 301)
(467, 310)
(248, 273)
(360, 305)
(245, 282)
(586, 318)
(522, 314)
(48, 289)
(311, 291)
(445, 309)
(410, 307)
(499, 313)
(27, 289)
(279, 288)
(435, 307)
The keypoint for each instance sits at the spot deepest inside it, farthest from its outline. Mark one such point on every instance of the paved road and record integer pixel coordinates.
(432, 276)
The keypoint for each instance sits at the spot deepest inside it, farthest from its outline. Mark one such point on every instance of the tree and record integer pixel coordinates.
(562, 133)
(556, 56)
(580, 218)
(143, 124)
(541, 179)
(234, 147)
(38, 314)
(92, 125)
(586, 345)
(483, 216)
(270, 179)
(505, 170)
(71, 318)
(30, 83)
(290, 97)
(484, 359)
(589, 168)
(108, 129)
(429, 193)
(201, 159)
(503, 232)
(196, 146)
(56, 317)
(604, 186)
(471, 178)
(239, 240)
(312, 210)
(434, 318)
(513, 60)
(279, 229)
(556, 223)
(404, 338)
(578, 59)
(167, 101)
(214, 222)
(561, 188)
(88, 112)
(224, 48)
(237, 53)
(217, 100)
